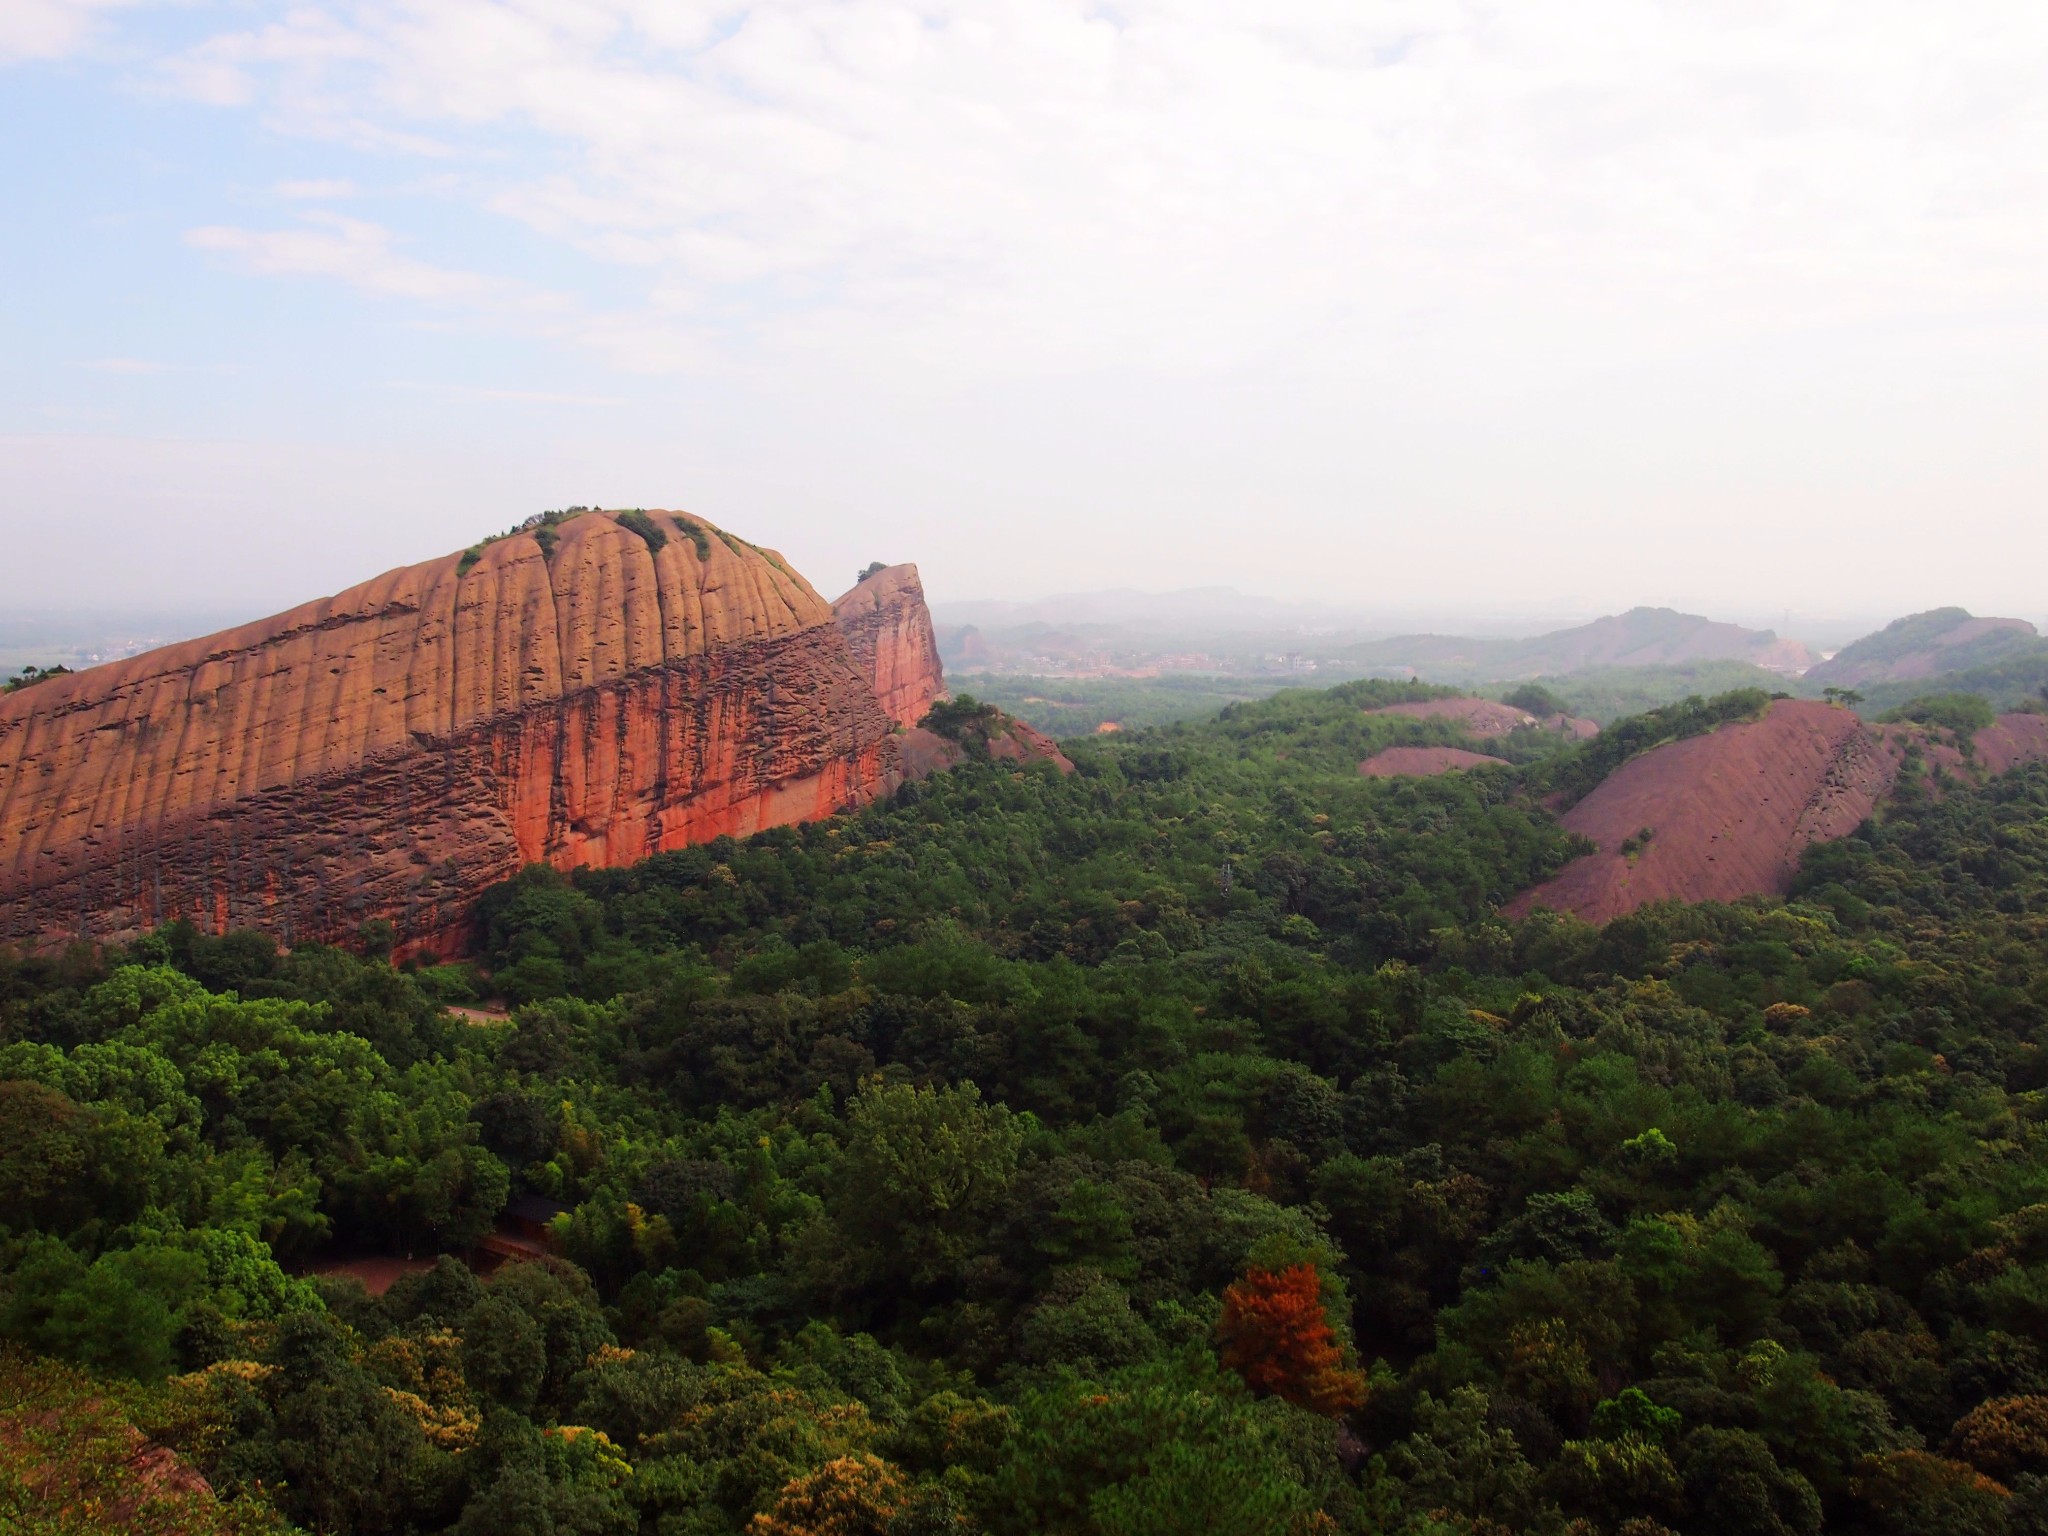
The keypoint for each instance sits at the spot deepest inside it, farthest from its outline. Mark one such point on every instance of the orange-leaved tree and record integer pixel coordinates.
(847, 1496)
(2004, 1436)
(1276, 1334)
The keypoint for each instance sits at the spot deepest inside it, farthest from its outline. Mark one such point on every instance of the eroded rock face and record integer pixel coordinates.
(1009, 741)
(388, 752)
(889, 630)
(1728, 814)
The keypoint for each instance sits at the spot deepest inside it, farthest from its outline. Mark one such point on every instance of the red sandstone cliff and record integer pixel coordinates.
(574, 698)
(890, 632)
(1731, 812)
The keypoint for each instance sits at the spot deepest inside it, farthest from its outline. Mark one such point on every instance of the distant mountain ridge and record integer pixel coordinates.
(1200, 608)
(1924, 646)
(1640, 637)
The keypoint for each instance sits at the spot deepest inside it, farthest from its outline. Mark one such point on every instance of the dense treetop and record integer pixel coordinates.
(1179, 1145)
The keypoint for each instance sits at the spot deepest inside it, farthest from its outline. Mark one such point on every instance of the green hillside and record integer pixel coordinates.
(1179, 1145)
(1641, 637)
(1608, 693)
(2017, 682)
(1925, 645)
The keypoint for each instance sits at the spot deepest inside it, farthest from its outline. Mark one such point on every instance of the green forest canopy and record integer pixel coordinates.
(1179, 1145)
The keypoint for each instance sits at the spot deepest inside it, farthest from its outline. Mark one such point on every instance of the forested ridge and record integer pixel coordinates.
(1179, 1145)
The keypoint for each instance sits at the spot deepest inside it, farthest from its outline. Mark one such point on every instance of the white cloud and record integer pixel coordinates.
(506, 396)
(316, 191)
(1769, 281)
(50, 29)
(366, 255)
(1047, 184)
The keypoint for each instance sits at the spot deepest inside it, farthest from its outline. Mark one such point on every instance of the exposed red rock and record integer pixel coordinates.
(1485, 717)
(387, 752)
(926, 752)
(77, 1456)
(155, 1477)
(1422, 762)
(1572, 726)
(1021, 743)
(1784, 655)
(2012, 740)
(889, 629)
(1729, 813)
(1475, 717)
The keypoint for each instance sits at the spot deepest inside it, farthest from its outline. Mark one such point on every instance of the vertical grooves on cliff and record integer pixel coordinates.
(572, 672)
(889, 631)
(384, 751)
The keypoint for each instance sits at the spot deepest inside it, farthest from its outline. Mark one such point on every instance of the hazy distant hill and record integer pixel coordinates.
(1193, 610)
(1642, 637)
(1925, 646)
(85, 639)
(1210, 630)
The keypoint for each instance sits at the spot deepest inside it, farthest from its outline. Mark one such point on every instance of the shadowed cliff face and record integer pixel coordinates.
(389, 751)
(890, 631)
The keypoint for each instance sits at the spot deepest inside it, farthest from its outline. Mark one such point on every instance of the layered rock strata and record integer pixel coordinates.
(589, 693)
(889, 630)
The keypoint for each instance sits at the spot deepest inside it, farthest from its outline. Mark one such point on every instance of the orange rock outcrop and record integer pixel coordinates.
(572, 695)
(889, 629)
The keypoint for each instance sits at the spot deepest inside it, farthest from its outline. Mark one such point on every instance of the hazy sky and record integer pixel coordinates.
(1577, 304)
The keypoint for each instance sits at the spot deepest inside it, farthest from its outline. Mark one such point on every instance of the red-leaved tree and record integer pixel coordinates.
(1276, 1334)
